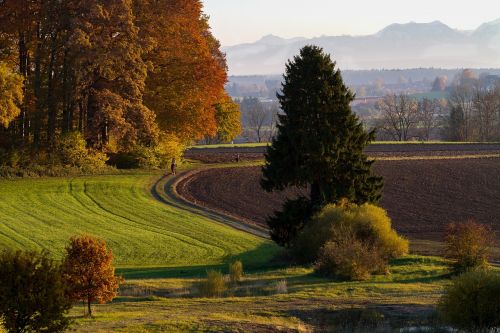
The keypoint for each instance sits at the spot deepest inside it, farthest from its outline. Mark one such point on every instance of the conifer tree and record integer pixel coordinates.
(320, 144)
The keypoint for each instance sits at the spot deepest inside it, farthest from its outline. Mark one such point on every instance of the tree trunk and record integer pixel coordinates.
(51, 103)
(23, 69)
(38, 93)
(316, 200)
(89, 308)
(66, 125)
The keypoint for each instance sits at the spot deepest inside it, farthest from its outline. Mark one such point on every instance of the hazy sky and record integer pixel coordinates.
(239, 21)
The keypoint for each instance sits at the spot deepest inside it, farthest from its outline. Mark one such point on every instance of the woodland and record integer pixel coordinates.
(109, 77)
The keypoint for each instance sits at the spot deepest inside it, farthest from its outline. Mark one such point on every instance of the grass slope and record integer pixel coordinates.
(405, 297)
(141, 231)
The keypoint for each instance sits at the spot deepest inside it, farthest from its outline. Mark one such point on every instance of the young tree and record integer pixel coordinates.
(89, 272)
(11, 95)
(320, 141)
(228, 118)
(487, 113)
(32, 293)
(461, 102)
(427, 116)
(256, 116)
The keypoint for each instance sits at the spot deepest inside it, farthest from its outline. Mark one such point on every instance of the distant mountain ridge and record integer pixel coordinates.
(410, 45)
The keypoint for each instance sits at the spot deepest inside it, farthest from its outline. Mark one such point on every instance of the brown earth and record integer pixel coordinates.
(229, 154)
(421, 196)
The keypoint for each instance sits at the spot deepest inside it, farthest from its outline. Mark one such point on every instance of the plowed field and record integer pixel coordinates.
(421, 196)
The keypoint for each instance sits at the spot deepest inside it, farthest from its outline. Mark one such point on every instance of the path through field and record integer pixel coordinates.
(142, 231)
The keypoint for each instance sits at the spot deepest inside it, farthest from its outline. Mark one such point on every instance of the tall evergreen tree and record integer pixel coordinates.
(319, 144)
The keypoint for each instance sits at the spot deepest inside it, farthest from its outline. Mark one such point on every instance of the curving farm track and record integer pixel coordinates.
(421, 196)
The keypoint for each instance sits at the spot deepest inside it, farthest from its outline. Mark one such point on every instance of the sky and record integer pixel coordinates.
(241, 21)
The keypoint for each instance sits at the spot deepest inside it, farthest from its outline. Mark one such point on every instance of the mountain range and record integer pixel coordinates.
(410, 45)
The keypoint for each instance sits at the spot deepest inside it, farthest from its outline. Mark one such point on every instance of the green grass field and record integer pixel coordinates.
(163, 250)
(141, 231)
(405, 297)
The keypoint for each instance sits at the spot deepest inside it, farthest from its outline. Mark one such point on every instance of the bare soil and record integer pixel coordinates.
(421, 196)
(228, 154)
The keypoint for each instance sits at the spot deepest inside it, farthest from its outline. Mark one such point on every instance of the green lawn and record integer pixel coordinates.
(141, 231)
(405, 297)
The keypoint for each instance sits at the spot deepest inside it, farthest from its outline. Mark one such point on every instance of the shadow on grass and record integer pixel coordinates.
(351, 317)
(260, 259)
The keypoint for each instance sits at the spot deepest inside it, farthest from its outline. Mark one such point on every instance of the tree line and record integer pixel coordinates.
(470, 113)
(123, 73)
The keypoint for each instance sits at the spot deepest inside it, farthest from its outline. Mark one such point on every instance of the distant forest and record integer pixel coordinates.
(266, 86)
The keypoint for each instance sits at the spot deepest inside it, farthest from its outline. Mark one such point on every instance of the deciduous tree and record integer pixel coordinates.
(228, 118)
(89, 272)
(400, 116)
(188, 71)
(11, 95)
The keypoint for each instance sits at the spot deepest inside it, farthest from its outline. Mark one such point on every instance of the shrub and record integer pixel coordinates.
(73, 151)
(281, 287)
(349, 258)
(214, 285)
(472, 302)
(236, 271)
(469, 245)
(32, 293)
(143, 157)
(368, 223)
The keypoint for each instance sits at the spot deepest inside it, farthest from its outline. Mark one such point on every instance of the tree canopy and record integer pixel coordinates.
(121, 72)
(89, 272)
(11, 95)
(32, 293)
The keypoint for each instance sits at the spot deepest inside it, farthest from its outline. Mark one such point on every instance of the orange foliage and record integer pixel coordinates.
(89, 272)
(188, 71)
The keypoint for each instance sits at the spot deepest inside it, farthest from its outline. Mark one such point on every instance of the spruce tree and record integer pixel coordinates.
(319, 145)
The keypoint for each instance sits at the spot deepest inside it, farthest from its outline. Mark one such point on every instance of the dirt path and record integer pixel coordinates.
(165, 190)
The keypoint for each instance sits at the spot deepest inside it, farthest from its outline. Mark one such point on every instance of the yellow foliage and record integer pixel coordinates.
(228, 118)
(368, 222)
(11, 94)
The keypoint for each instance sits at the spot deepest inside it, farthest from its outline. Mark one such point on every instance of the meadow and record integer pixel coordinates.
(145, 234)
(164, 246)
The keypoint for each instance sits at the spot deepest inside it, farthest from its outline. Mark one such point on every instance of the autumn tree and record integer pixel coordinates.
(11, 95)
(228, 121)
(123, 73)
(89, 272)
(319, 145)
(32, 293)
(188, 71)
(440, 83)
